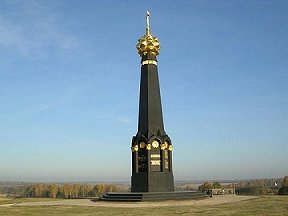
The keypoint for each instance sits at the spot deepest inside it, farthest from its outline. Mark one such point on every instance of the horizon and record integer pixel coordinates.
(69, 87)
(177, 181)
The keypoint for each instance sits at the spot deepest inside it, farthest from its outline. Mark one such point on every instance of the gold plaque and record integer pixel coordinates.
(155, 144)
(163, 147)
(142, 145)
(166, 144)
(155, 156)
(136, 148)
(170, 147)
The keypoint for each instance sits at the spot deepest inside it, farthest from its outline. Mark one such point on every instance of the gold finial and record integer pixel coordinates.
(148, 44)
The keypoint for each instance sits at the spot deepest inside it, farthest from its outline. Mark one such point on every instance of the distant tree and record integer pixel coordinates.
(250, 190)
(285, 181)
(216, 185)
(81, 191)
(110, 188)
(206, 186)
(39, 190)
(76, 190)
(67, 190)
(99, 189)
(88, 190)
(284, 189)
(233, 185)
(52, 191)
(29, 191)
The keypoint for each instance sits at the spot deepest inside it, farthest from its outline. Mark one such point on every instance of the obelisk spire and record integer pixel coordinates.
(151, 147)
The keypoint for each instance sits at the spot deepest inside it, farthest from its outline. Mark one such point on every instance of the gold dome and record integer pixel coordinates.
(148, 44)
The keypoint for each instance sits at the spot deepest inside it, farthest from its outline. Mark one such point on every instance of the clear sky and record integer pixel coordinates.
(69, 87)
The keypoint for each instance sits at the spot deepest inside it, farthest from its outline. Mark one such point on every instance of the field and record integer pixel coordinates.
(220, 205)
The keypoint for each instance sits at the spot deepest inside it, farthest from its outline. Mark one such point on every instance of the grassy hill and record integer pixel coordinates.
(263, 205)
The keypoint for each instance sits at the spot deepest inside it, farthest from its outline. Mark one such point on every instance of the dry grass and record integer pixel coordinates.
(8, 200)
(267, 205)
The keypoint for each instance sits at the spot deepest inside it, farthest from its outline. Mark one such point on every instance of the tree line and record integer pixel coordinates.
(263, 187)
(67, 190)
(261, 182)
(252, 187)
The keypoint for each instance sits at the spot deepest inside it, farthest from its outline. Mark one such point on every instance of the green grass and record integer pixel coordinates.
(267, 205)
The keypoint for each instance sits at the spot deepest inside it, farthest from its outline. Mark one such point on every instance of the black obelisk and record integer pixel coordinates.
(151, 147)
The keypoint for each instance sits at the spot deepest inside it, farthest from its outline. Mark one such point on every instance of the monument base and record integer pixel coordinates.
(152, 182)
(153, 196)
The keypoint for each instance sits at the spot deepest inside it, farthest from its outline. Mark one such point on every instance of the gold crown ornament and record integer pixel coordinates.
(148, 44)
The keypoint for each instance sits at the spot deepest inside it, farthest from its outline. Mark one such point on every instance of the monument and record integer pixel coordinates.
(151, 147)
(152, 177)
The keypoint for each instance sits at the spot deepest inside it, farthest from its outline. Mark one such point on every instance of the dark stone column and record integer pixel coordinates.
(151, 135)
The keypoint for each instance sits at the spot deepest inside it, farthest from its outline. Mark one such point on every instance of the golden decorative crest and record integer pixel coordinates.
(134, 148)
(148, 44)
(155, 144)
(142, 145)
(148, 146)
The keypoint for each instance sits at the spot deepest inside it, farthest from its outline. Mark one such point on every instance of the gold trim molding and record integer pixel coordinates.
(147, 62)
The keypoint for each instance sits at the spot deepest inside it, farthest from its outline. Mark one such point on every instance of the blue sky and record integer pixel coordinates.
(69, 87)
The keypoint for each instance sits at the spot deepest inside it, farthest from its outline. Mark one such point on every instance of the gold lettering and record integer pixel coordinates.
(155, 162)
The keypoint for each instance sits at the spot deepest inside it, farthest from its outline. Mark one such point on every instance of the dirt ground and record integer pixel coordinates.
(216, 200)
